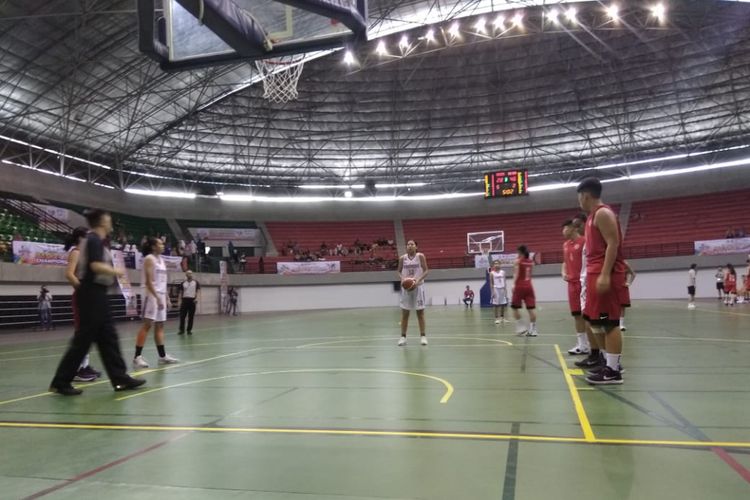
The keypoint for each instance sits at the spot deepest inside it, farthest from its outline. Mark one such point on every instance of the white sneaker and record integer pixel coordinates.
(578, 350)
(402, 341)
(168, 360)
(497, 321)
(139, 362)
(505, 321)
(532, 333)
(691, 306)
(423, 340)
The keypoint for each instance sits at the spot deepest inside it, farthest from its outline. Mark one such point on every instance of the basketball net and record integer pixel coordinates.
(280, 76)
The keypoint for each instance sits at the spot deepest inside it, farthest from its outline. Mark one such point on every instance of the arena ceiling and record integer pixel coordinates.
(625, 97)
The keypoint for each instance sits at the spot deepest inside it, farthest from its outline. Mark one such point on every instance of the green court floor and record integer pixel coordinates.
(323, 405)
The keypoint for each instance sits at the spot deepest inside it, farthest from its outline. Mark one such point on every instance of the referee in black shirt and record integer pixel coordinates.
(190, 293)
(96, 324)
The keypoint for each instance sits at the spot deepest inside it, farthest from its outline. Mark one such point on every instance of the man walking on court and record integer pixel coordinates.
(97, 274)
(605, 278)
(190, 293)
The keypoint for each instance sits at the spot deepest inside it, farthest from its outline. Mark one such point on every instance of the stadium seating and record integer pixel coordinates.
(310, 235)
(12, 224)
(688, 219)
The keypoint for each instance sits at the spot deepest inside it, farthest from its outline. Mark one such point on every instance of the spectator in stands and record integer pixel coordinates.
(339, 249)
(17, 237)
(468, 297)
(181, 247)
(729, 234)
(261, 266)
(190, 249)
(44, 301)
(740, 233)
(243, 262)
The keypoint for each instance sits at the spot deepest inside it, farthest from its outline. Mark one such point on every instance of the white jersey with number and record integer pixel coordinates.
(411, 267)
(159, 279)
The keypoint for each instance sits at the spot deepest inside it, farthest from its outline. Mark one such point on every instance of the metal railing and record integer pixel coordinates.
(45, 221)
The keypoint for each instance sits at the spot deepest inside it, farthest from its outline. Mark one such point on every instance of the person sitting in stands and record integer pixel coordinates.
(730, 234)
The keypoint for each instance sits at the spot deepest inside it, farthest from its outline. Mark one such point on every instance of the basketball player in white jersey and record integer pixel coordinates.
(499, 293)
(155, 302)
(412, 265)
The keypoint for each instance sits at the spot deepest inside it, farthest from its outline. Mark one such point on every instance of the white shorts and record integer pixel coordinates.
(414, 299)
(151, 308)
(499, 297)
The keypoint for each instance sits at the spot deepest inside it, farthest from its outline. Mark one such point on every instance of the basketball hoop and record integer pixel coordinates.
(280, 76)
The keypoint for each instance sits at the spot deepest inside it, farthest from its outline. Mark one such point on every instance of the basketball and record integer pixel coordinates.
(408, 284)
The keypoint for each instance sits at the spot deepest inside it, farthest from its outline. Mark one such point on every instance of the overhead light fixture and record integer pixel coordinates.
(161, 193)
(348, 194)
(404, 43)
(380, 49)
(499, 22)
(613, 11)
(554, 16)
(659, 11)
(430, 36)
(481, 26)
(349, 58)
(454, 30)
(518, 20)
(571, 15)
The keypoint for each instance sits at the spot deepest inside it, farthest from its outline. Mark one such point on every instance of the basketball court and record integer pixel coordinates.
(322, 405)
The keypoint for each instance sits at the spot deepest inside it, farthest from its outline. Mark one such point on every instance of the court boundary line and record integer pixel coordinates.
(359, 340)
(446, 396)
(698, 445)
(583, 419)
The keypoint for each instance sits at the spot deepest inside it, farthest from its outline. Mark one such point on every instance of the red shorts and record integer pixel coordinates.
(525, 295)
(624, 295)
(730, 288)
(605, 309)
(574, 297)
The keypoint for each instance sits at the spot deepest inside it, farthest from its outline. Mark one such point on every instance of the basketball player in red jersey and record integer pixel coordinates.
(605, 278)
(571, 274)
(523, 293)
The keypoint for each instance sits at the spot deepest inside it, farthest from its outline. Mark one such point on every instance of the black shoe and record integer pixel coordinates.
(190, 333)
(593, 361)
(180, 333)
(607, 376)
(598, 369)
(129, 384)
(66, 390)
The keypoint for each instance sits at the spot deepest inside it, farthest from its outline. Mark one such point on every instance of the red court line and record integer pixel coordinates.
(101, 468)
(734, 464)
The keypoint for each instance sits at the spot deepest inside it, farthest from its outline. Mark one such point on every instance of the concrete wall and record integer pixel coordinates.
(662, 278)
(27, 182)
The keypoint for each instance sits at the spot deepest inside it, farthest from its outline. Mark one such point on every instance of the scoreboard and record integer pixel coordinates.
(506, 183)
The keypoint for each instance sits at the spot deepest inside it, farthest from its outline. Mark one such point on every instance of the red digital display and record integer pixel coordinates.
(506, 183)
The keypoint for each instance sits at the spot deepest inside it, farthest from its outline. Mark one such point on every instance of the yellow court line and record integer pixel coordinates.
(367, 339)
(141, 372)
(367, 432)
(443, 400)
(588, 432)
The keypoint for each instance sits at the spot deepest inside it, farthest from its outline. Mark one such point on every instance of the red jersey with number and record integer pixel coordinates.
(573, 255)
(596, 247)
(730, 283)
(524, 273)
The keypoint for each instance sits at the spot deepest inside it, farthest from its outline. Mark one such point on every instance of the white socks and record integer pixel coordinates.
(532, 327)
(613, 361)
(583, 341)
(622, 322)
(85, 362)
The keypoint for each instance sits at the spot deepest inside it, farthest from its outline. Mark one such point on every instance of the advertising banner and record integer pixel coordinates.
(222, 235)
(723, 247)
(319, 267)
(39, 254)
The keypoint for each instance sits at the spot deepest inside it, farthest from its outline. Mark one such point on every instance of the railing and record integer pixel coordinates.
(45, 221)
(637, 251)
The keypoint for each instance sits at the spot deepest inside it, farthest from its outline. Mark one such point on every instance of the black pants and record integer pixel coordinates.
(187, 309)
(96, 327)
(468, 301)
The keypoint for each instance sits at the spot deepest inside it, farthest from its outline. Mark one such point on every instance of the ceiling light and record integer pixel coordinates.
(454, 29)
(348, 194)
(571, 14)
(349, 58)
(160, 193)
(430, 35)
(404, 43)
(613, 11)
(659, 11)
(553, 15)
(381, 50)
(480, 26)
(518, 20)
(499, 22)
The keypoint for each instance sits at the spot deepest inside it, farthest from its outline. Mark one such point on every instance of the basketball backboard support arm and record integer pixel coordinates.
(243, 34)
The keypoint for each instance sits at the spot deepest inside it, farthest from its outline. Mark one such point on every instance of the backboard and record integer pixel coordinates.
(485, 242)
(187, 34)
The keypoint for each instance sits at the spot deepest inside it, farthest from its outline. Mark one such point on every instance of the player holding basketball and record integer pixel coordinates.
(155, 302)
(605, 278)
(499, 295)
(523, 293)
(571, 274)
(412, 270)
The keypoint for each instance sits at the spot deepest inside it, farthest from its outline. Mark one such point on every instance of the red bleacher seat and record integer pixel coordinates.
(687, 219)
(310, 235)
